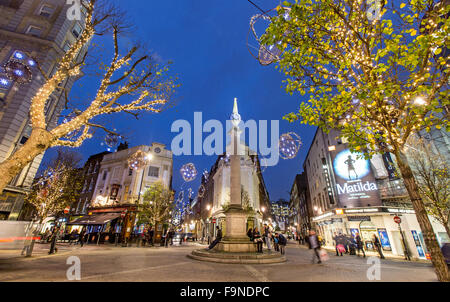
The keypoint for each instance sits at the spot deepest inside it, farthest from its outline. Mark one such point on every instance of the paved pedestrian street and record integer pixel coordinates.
(159, 264)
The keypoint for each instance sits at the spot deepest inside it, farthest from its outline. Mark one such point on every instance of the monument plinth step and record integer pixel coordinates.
(248, 258)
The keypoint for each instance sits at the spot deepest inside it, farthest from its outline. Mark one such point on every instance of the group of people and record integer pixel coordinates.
(271, 240)
(354, 245)
(276, 240)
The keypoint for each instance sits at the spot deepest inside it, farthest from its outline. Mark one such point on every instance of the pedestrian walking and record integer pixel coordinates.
(151, 234)
(81, 237)
(258, 240)
(171, 235)
(267, 237)
(282, 243)
(359, 245)
(217, 240)
(339, 246)
(276, 245)
(167, 238)
(377, 244)
(54, 238)
(314, 244)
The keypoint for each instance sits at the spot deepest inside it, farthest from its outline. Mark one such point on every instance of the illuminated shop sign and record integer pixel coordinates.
(406, 211)
(322, 216)
(355, 183)
(351, 211)
(358, 218)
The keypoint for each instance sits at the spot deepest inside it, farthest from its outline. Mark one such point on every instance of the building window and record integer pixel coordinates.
(46, 11)
(153, 171)
(66, 46)
(130, 172)
(105, 173)
(34, 31)
(77, 30)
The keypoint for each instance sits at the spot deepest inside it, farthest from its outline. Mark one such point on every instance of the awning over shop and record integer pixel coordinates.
(95, 218)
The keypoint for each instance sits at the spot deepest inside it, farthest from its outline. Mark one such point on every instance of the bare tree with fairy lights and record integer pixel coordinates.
(141, 86)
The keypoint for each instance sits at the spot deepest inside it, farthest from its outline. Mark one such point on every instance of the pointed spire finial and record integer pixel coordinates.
(235, 107)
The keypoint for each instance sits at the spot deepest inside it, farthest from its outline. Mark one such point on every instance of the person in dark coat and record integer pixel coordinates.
(81, 237)
(250, 234)
(217, 240)
(377, 244)
(258, 240)
(53, 248)
(150, 234)
(359, 245)
(281, 242)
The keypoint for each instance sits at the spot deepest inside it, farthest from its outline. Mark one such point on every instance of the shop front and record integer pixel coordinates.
(396, 239)
(108, 224)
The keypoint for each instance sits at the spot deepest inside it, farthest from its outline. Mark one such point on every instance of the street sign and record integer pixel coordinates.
(397, 219)
(66, 210)
(214, 220)
(122, 214)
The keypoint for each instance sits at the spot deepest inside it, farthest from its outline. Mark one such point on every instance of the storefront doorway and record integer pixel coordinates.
(368, 229)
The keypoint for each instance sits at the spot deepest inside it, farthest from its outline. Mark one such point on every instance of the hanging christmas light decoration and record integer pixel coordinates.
(138, 160)
(18, 72)
(201, 191)
(188, 172)
(111, 140)
(180, 196)
(205, 175)
(267, 54)
(4, 82)
(289, 145)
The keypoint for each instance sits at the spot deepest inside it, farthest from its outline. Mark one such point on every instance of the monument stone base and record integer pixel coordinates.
(237, 258)
(236, 247)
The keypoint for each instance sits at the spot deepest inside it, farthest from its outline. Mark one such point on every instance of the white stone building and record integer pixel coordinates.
(117, 184)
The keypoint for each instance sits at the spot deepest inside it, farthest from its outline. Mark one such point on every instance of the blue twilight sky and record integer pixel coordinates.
(207, 42)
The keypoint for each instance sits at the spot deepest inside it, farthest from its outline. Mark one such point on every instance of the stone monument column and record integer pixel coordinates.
(235, 237)
(235, 247)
